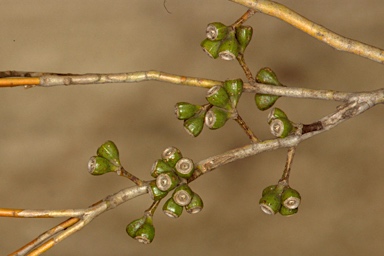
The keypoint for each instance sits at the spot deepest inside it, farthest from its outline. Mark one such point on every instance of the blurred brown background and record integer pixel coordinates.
(48, 135)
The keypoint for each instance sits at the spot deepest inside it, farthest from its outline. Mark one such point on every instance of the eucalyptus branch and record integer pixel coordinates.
(317, 31)
(38, 79)
(173, 172)
(79, 219)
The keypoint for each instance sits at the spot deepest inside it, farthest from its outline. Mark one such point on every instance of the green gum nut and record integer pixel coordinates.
(195, 124)
(216, 31)
(185, 110)
(182, 195)
(171, 155)
(109, 151)
(267, 76)
(270, 203)
(159, 167)
(134, 226)
(218, 96)
(244, 36)
(276, 113)
(196, 204)
(291, 198)
(281, 127)
(265, 101)
(284, 211)
(234, 89)
(167, 181)
(211, 47)
(142, 230)
(216, 118)
(172, 209)
(154, 192)
(98, 165)
(184, 168)
(268, 189)
(229, 48)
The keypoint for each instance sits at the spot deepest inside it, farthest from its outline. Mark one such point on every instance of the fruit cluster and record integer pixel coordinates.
(280, 198)
(222, 103)
(226, 42)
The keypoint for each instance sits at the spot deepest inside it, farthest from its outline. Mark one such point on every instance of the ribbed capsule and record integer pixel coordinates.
(270, 203)
(244, 36)
(229, 48)
(284, 211)
(194, 125)
(98, 165)
(276, 113)
(172, 209)
(291, 198)
(218, 96)
(109, 151)
(211, 48)
(142, 230)
(234, 89)
(160, 166)
(167, 181)
(154, 192)
(185, 110)
(185, 168)
(196, 204)
(281, 127)
(182, 195)
(216, 31)
(216, 118)
(266, 76)
(171, 155)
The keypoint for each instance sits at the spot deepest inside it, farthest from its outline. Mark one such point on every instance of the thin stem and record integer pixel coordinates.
(317, 31)
(246, 128)
(124, 173)
(151, 210)
(247, 71)
(248, 14)
(287, 170)
(55, 79)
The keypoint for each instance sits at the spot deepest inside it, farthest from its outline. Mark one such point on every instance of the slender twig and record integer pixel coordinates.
(287, 170)
(317, 31)
(8, 78)
(55, 235)
(246, 128)
(248, 14)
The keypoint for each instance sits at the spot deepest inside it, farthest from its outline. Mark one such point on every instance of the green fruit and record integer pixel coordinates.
(196, 204)
(182, 195)
(184, 110)
(172, 209)
(167, 181)
(98, 165)
(284, 211)
(234, 89)
(216, 118)
(218, 96)
(195, 124)
(211, 47)
(291, 198)
(160, 166)
(185, 168)
(171, 155)
(216, 31)
(281, 127)
(270, 203)
(244, 36)
(154, 192)
(229, 48)
(109, 151)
